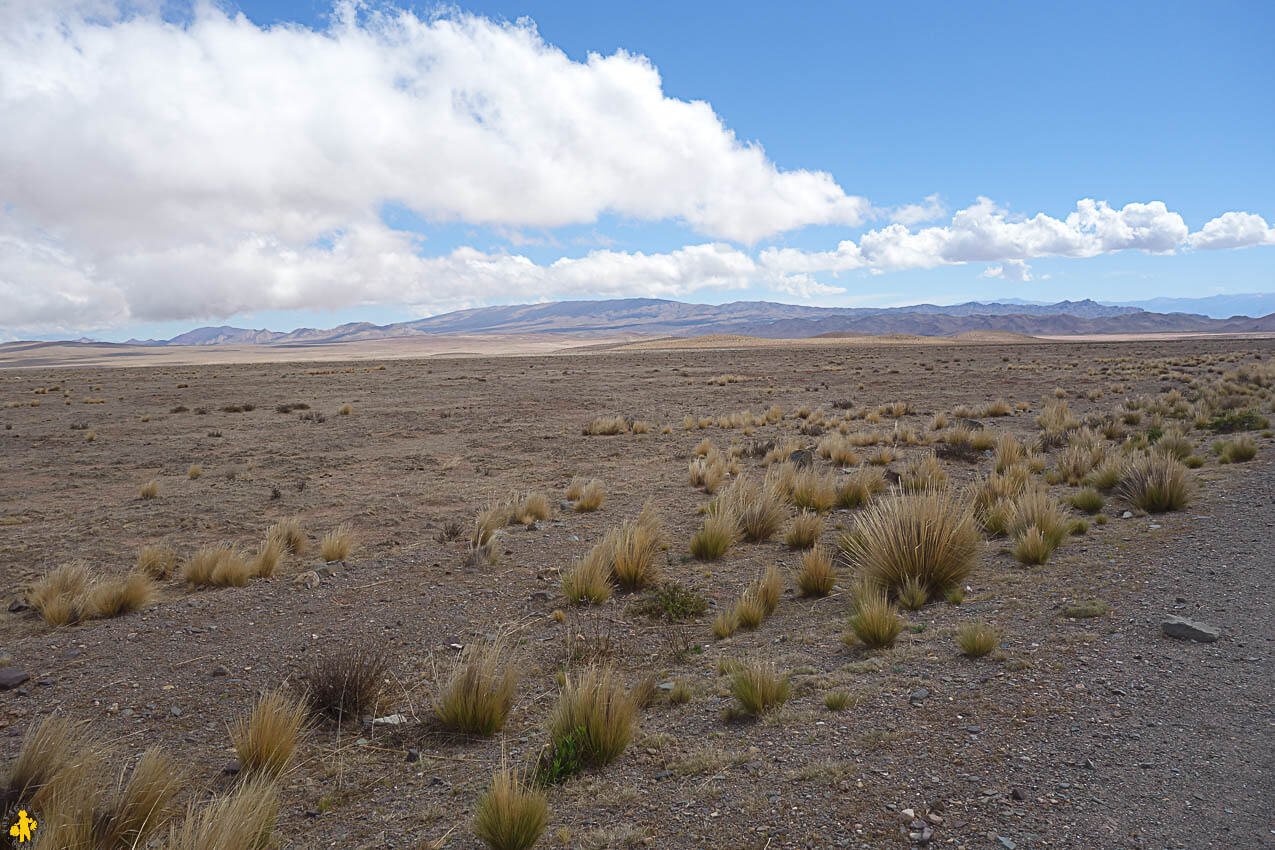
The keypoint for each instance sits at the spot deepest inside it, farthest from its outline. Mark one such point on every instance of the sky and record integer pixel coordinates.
(286, 163)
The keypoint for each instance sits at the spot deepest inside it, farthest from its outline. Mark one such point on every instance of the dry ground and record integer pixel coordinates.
(1084, 733)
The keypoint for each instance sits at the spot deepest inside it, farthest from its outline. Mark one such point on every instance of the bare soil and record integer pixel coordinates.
(1077, 733)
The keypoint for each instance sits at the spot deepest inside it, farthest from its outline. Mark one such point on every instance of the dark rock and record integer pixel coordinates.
(11, 677)
(663, 774)
(413, 754)
(1184, 629)
(232, 767)
(1018, 794)
(220, 670)
(919, 696)
(972, 424)
(891, 477)
(540, 596)
(17, 606)
(802, 458)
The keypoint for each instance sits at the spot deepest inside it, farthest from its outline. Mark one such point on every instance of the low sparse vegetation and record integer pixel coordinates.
(347, 682)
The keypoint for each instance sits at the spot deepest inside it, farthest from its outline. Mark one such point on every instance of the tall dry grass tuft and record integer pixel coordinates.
(243, 819)
(589, 578)
(144, 805)
(592, 496)
(511, 815)
(530, 508)
(715, 536)
(266, 561)
(875, 622)
(924, 473)
(156, 561)
(634, 548)
(929, 536)
(596, 708)
(266, 740)
(477, 698)
(291, 535)
(118, 595)
(216, 566)
(817, 574)
(813, 490)
(1156, 483)
(805, 531)
(336, 544)
(58, 596)
(858, 488)
(149, 490)
(759, 511)
(758, 687)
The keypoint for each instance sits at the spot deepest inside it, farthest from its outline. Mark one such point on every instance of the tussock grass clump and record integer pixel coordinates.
(591, 497)
(924, 473)
(606, 426)
(977, 639)
(1035, 508)
(634, 547)
(291, 535)
(758, 687)
(1106, 475)
(768, 588)
(575, 488)
(336, 544)
(1009, 451)
(912, 594)
(1156, 483)
(837, 700)
(56, 761)
(1086, 609)
(1000, 407)
(859, 487)
(875, 622)
(266, 561)
(929, 536)
(266, 740)
(345, 410)
(216, 566)
(530, 508)
(58, 596)
(1032, 547)
(347, 682)
(156, 561)
(480, 692)
(511, 814)
(813, 490)
(672, 602)
(725, 624)
(749, 611)
(817, 574)
(194, 471)
(758, 510)
(805, 530)
(1174, 442)
(149, 490)
(595, 707)
(1088, 500)
(1076, 461)
(118, 595)
(883, 456)
(715, 536)
(1242, 448)
(245, 818)
(588, 579)
(143, 806)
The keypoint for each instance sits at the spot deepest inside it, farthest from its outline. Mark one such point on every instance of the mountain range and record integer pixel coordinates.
(652, 317)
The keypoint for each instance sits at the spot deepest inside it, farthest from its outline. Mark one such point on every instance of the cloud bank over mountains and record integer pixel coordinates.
(153, 170)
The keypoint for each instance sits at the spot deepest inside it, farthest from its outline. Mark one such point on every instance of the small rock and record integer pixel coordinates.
(175, 711)
(413, 754)
(666, 686)
(389, 720)
(934, 819)
(1184, 629)
(232, 767)
(1088, 765)
(1125, 515)
(1006, 843)
(11, 677)
(17, 606)
(919, 696)
(973, 730)
(540, 596)
(325, 571)
(662, 775)
(908, 814)
(220, 670)
(802, 458)
(1018, 794)
(309, 578)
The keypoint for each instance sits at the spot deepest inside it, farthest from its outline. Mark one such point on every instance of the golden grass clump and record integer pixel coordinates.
(589, 578)
(924, 473)
(633, 548)
(530, 508)
(480, 692)
(725, 624)
(266, 561)
(1076, 461)
(1174, 442)
(156, 561)
(758, 687)
(875, 622)
(859, 487)
(118, 595)
(929, 535)
(1008, 451)
(715, 536)
(149, 490)
(977, 639)
(1106, 475)
(143, 806)
(768, 587)
(592, 496)
(266, 740)
(1156, 483)
(344, 410)
(216, 566)
(1241, 449)
(805, 530)
(56, 762)
(813, 490)
(993, 495)
(1032, 547)
(1035, 508)
(58, 596)
(607, 426)
(243, 818)
(336, 544)
(759, 511)
(290, 535)
(749, 611)
(817, 574)
(595, 706)
(194, 471)
(511, 814)
(1088, 500)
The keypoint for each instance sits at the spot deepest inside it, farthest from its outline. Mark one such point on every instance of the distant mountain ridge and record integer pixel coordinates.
(659, 317)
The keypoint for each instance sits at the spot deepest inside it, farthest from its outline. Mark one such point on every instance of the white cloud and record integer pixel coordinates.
(1232, 230)
(1009, 270)
(157, 171)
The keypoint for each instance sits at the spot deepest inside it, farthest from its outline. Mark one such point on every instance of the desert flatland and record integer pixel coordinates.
(847, 596)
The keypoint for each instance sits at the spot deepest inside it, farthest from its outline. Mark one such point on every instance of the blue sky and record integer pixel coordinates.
(1032, 106)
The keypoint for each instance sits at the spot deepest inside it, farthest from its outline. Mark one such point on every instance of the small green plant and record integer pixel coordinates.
(562, 758)
(1087, 608)
(954, 595)
(1230, 421)
(673, 602)
(1088, 500)
(837, 700)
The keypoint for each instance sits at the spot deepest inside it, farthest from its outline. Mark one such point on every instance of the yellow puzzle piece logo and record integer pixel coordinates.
(22, 829)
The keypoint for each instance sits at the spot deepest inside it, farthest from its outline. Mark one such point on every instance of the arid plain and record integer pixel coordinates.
(1082, 726)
